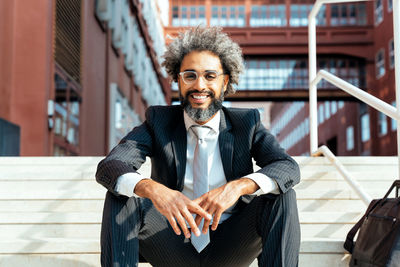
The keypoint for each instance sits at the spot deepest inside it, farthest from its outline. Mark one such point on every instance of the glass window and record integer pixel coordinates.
(380, 63)
(365, 131)
(321, 114)
(382, 124)
(334, 107)
(348, 14)
(268, 15)
(233, 16)
(277, 74)
(66, 115)
(327, 110)
(350, 138)
(175, 16)
(393, 121)
(341, 104)
(390, 5)
(391, 54)
(378, 11)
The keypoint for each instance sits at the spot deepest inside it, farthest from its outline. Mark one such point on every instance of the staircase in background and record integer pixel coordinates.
(51, 207)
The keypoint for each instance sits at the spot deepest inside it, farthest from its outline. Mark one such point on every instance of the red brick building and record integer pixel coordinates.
(75, 75)
(273, 36)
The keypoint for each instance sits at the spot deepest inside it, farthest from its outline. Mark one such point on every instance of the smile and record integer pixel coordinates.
(199, 96)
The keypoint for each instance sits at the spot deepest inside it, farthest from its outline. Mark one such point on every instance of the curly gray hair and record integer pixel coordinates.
(205, 39)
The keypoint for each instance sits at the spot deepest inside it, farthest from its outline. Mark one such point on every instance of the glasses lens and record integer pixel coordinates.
(189, 76)
(210, 76)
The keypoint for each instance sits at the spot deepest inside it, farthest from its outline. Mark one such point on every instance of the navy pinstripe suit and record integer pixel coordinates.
(268, 226)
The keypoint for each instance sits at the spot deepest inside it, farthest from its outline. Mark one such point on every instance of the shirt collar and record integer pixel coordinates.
(213, 123)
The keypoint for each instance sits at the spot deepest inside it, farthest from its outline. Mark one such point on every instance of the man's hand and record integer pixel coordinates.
(216, 201)
(175, 206)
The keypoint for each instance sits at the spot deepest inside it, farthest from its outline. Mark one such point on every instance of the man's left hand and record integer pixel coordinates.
(216, 201)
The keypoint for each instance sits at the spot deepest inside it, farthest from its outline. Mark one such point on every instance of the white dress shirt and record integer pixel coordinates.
(126, 183)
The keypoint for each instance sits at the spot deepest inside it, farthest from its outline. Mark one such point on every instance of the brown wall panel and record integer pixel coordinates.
(94, 84)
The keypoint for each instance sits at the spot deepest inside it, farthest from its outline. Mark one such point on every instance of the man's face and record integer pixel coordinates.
(202, 97)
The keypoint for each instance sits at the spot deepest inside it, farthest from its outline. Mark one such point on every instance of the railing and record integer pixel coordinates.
(378, 104)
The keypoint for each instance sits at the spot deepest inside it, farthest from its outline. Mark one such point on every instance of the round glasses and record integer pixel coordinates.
(209, 76)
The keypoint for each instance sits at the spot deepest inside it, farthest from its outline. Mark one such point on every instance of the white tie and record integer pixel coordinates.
(200, 179)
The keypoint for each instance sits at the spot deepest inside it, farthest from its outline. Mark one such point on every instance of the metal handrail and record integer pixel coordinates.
(369, 99)
(324, 150)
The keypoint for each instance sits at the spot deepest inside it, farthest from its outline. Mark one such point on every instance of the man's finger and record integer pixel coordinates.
(198, 219)
(205, 226)
(195, 208)
(173, 224)
(182, 224)
(189, 218)
(217, 217)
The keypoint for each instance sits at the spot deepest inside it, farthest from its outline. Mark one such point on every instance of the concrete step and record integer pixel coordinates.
(377, 175)
(51, 205)
(98, 192)
(62, 218)
(77, 205)
(59, 218)
(74, 225)
(39, 231)
(81, 185)
(327, 205)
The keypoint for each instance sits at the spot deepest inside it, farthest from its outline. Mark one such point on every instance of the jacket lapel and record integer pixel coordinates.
(226, 144)
(179, 143)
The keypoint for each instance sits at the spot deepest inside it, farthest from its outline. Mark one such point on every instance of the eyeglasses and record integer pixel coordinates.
(190, 76)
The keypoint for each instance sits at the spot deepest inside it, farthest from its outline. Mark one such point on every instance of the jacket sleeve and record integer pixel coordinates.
(127, 156)
(272, 158)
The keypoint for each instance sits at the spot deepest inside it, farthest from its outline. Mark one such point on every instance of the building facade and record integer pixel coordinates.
(75, 76)
(354, 42)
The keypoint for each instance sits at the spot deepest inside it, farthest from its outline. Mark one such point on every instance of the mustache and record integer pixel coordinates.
(209, 92)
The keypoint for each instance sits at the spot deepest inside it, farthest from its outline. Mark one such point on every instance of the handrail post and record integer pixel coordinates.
(396, 40)
(312, 72)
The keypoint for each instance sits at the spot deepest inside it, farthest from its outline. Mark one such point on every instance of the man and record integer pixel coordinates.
(203, 205)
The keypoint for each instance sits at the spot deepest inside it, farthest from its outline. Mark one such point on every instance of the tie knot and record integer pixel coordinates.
(201, 132)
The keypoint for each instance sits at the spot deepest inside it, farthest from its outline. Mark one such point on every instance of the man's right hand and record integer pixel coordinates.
(174, 205)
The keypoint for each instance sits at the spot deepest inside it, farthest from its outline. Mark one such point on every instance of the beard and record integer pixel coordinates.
(198, 114)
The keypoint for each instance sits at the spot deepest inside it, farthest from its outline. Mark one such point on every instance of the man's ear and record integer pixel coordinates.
(226, 81)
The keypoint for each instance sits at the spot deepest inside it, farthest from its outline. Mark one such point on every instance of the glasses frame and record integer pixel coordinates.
(182, 73)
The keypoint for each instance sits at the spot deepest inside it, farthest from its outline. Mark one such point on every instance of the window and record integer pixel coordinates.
(390, 5)
(348, 14)
(350, 138)
(334, 107)
(298, 15)
(378, 11)
(393, 121)
(321, 114)
(327, 110)
(341, 104)
(66, 115)
(391, 54)
(365, 132)
(279, 74)
(380, 63)
(382, 124)
(232, 16)
(188, 16)
(268, 15)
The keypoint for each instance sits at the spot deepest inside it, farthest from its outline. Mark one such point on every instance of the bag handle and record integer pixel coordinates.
(396, 184)
(349, 243)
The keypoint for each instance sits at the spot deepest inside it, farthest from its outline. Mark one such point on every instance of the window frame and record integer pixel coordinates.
(380, 64)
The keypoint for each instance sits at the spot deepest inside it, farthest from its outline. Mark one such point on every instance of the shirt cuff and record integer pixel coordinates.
(266, 184)
(126, 184)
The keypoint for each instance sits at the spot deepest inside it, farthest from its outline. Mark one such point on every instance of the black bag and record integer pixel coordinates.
(378, 242)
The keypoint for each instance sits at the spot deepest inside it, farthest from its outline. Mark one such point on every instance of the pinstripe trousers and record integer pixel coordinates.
(267, 228)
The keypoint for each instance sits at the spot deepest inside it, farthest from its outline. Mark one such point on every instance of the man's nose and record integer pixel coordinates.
(200, 83)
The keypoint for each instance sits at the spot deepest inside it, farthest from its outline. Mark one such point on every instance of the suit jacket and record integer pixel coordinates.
(162, 137)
